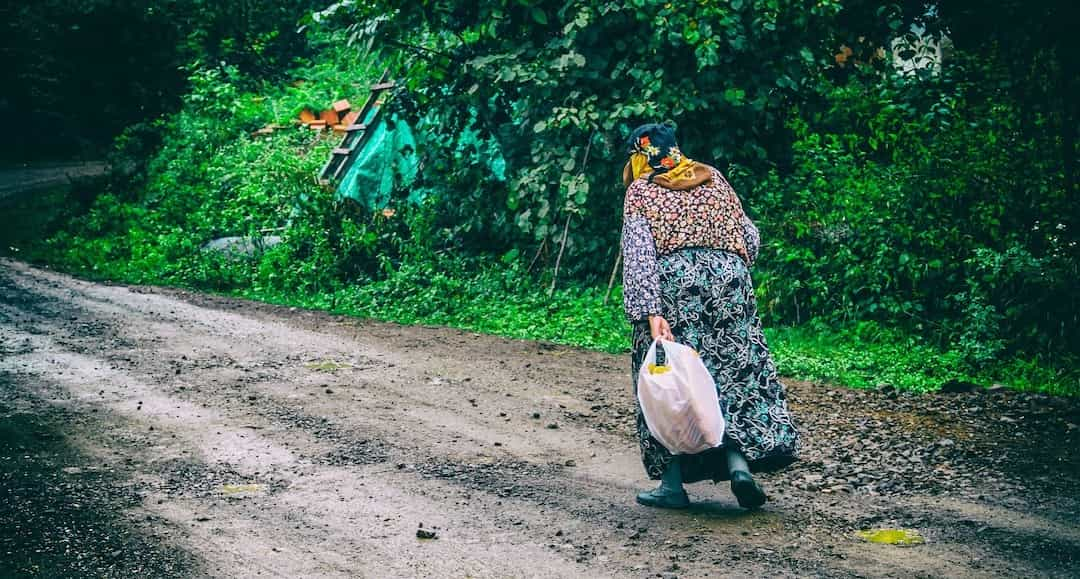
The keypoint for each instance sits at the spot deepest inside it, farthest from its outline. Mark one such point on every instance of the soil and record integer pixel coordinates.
(39, 176)
(156, 432)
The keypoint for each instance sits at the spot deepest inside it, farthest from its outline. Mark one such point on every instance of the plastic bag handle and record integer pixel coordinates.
(660, 351)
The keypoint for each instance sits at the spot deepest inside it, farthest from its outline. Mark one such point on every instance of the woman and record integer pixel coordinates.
(687, 249)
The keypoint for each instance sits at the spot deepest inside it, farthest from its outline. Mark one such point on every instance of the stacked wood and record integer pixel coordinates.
(342, 109)
(339, 117)
(330, 116)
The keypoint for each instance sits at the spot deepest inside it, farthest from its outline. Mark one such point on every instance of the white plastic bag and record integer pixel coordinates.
(679, 400)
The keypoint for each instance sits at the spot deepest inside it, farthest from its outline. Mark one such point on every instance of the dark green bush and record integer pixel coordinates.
(903, 205)
(913, 225)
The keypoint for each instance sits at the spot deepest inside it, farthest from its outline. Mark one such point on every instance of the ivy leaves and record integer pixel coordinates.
(548, 80)
(538, 15)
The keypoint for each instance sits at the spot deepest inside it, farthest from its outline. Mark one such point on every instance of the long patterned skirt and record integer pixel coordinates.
(708, 299)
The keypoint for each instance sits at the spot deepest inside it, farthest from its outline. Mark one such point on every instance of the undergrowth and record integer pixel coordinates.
(210, 179)
(508, 303)
(501, 298)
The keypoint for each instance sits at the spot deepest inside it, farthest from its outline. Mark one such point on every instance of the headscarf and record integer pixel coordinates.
(654, 152)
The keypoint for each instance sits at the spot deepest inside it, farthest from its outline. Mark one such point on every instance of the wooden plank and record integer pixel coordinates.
(329, 167)
(355, 133)
(329, 116)
(349, 140)
(356, 146)
(351, 118)
(338, 171)
(372, 97)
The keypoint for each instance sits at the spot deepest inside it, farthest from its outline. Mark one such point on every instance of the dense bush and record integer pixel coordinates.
(558, 85)
(76, 73)
(935, 202)
(210, 179)
(924, 210)
(909, 203)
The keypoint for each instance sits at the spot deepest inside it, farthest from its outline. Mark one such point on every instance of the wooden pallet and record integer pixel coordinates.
(356, 134)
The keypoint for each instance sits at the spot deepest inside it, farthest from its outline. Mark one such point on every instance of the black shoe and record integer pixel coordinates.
(664, 498)
(746, 490)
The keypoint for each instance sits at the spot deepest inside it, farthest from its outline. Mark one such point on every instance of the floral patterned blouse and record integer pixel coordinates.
(658, 221)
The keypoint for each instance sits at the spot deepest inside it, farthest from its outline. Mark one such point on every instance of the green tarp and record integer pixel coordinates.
(388, 160)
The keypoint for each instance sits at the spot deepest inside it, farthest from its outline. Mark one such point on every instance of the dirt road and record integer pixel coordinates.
(44, 176)
(161, 433)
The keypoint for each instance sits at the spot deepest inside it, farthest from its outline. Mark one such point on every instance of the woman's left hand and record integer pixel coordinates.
(660, 329)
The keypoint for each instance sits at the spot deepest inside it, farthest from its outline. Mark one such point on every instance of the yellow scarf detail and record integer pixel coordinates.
(686, 175)
(639, 165)
(684, 170)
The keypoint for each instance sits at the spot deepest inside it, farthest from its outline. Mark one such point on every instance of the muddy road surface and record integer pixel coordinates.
(159, 433)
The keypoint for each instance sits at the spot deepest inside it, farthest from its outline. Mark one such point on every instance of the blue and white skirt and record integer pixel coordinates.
(708, 298)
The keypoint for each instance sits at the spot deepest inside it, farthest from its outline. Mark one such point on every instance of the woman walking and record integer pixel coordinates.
(687, 249)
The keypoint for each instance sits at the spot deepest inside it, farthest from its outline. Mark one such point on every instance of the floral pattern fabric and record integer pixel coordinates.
(641, 277)
(752, 239)
(708, 298)
(709, 215)
(657, 142)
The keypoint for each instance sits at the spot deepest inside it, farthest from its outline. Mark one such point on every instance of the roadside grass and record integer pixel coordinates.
(503, 300)
(151, 231)
(484, 295)
(503, 304)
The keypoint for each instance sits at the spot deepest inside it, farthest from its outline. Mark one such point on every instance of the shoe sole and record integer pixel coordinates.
(658, 505)
(748, 493)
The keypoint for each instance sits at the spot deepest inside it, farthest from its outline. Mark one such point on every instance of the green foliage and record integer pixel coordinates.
(210, 179)
(557, 85)
(480, 297)
(909, 205)
(1027, 49)
(881, 195)
(867, 355)
(77, 73)
(917, 228)
(508, 302)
